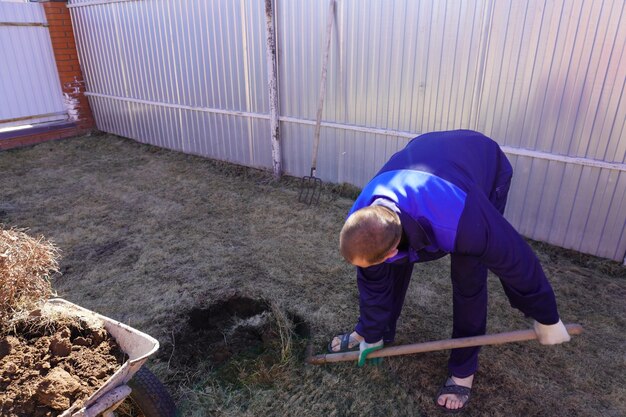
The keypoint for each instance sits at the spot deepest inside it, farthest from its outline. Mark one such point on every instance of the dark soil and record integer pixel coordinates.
(233, 332)
(46, 365)
(226, 328)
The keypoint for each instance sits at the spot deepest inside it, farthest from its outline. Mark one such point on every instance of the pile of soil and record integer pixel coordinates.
(48, 364)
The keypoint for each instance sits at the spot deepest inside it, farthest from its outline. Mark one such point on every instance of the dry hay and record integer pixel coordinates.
(49, 358)
(26, 264)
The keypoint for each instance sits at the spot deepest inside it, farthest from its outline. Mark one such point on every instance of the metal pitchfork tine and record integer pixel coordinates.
(310, 189)
(311, 186)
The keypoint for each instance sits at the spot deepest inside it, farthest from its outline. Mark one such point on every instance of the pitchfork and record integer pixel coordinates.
(311, 186)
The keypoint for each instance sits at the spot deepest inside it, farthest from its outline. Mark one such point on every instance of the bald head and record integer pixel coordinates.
(369, 234)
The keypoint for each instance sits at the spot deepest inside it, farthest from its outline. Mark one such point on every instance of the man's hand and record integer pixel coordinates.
(551, 334)
(366, 349)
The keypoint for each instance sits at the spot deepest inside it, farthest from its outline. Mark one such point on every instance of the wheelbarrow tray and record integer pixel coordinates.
(137, 345)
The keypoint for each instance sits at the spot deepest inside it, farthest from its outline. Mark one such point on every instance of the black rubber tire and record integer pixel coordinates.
(150, 396)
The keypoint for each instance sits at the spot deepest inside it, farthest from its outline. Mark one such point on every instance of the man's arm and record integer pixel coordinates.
(378, 297)
(374, 285)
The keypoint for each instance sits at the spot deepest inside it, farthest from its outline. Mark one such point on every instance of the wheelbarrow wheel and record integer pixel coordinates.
(149, 397)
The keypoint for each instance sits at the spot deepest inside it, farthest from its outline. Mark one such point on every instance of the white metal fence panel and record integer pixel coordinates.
(545, 79)
(188, 75)
(554, 82)
(30, 91)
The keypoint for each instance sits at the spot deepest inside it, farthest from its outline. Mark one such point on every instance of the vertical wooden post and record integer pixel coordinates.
(272, 78)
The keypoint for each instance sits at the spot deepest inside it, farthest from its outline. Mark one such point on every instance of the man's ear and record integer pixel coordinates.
(391, 253)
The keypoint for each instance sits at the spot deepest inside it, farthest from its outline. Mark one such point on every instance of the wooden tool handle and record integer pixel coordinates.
(488, 339)
(320, 100)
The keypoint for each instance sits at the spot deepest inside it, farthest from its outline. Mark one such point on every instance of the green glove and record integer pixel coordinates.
(366, 349)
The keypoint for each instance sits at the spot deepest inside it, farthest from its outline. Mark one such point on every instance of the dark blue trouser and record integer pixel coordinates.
(469, 289)
(469, 294)
(402, 274)
(469, 307)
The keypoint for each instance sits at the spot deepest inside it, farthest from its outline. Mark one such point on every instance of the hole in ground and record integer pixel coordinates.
(236, 329)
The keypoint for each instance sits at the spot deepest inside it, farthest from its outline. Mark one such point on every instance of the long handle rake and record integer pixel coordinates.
(310, 185)
(489, 339)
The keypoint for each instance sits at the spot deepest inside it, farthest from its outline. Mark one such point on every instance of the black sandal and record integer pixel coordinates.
(344, 346)
(450, 387)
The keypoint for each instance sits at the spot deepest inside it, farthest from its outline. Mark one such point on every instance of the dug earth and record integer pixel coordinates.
(47, 366)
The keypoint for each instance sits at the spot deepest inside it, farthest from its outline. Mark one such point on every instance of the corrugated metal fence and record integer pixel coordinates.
(546, 79)
(29, 83)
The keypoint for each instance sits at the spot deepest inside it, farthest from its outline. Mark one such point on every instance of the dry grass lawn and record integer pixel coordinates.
(148, 235)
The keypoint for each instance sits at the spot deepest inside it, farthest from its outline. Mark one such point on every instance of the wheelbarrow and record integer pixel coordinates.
(147, 392)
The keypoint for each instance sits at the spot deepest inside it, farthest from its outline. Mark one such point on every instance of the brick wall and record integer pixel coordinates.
(72, 84)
